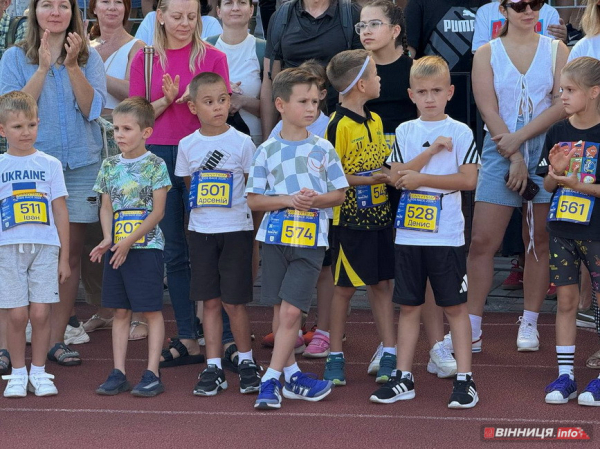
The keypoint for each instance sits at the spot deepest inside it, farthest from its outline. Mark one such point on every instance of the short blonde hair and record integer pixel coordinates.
(429, 67)
(584, 72)
(15, 102)
(590, 22)
(343, 68)
(138, 107)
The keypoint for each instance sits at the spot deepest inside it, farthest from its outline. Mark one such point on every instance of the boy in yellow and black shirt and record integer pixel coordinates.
(362, 235)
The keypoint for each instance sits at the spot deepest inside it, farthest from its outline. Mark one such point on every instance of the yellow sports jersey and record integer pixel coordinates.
(360, 144)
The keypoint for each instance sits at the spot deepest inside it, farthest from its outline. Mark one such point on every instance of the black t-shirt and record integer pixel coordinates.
(564, 132)
(306, 37)
(394, 105)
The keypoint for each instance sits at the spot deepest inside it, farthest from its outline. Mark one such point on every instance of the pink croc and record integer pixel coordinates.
(318, 347)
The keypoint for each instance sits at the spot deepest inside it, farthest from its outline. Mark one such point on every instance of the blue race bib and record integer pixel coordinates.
(372, 195)
(290, 227)
(419, 210)
(211, 188)
(125, 222)
(25, 208)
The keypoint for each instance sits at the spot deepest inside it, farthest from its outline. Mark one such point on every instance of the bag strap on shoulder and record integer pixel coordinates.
(13, 26)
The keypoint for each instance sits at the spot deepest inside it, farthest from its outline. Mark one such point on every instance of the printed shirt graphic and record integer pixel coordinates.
(131, 183)
(38, 172)
(361, 146)
(282, 167)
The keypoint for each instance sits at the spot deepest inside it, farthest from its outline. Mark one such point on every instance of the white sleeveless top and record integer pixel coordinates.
(517, 92)
(116, 66)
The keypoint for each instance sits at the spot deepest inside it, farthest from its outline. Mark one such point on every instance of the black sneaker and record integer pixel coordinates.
(210, 382)
(396, 389)
(149, 386)
(249, 377)
(464, 394)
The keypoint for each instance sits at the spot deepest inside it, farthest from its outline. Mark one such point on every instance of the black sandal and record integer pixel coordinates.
(67, 353)
(184, 358)
(4, 366)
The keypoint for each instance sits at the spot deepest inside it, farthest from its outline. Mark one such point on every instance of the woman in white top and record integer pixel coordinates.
(590, 22)
(115, 45)
(244, 66)
(516, 88)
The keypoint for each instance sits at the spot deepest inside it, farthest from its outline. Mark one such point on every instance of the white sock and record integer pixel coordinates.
(36, 369)
(300, 334)
(389, 350)
(475, 326)
(271, 374)
(20, 371)
(337, 353)
(406, 375)
(289, 371)
(319, 331)
(215, 361)
(463, 376)
(245, 356)
(530, 317)
(566, 360)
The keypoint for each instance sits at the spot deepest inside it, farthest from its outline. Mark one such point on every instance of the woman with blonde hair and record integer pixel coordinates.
(180, 54)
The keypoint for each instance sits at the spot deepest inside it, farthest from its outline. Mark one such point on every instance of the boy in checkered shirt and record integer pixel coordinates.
(295, 175)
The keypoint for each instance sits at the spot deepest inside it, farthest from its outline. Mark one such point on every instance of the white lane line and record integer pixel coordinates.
(295, 414)
(373, 322)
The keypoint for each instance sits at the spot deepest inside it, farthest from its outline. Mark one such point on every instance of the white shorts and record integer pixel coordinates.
(28, 273)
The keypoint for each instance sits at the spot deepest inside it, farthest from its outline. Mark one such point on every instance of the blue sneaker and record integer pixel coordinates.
(561, 390)
(149, 386)
(115, 384)
(307, 387)
(269, 395)
(591, 394)
(387, 364)
(334, 369)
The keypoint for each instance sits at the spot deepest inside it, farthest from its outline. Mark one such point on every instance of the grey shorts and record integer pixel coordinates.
(82, 201)
(28, 273)
(290, 274)
(491, 186)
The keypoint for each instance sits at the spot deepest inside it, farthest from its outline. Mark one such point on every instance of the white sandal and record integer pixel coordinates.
(134, 324)
(97, 323)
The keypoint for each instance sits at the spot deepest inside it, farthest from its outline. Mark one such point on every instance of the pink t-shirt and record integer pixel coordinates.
(176, 121)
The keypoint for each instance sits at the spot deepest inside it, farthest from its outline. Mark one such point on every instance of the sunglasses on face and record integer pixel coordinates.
(521, 6)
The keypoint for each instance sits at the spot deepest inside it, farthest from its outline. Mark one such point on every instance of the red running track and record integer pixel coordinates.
(510, 384)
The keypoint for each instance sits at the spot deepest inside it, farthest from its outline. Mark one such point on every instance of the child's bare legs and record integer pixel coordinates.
(380, 298)
(39, 315)
(409, 324)
(213, 327)
(566, 330)
(3, 324)
(433, 318)
(339, 307)
(120, 337)
(156, 337)
(285, 329)
(15, 335)
(325, 290)
(240, 326)
(460, 327)
(536, 277)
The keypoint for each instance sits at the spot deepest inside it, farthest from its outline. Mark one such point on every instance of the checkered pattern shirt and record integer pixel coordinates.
(281, 167)
(4, 24)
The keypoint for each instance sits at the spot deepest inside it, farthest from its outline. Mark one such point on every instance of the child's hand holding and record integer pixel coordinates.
(64, 270)
(379, 178)
(559, 161)
(303, 200)
(97, 253)
(409, 180)
(570, 181)
(120, 251)
(441, 143)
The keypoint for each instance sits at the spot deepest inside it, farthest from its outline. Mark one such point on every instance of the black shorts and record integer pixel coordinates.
(221, 266)
(137, 285)
(445, 266)
(566, 256)
(362, 257)
(327, 260)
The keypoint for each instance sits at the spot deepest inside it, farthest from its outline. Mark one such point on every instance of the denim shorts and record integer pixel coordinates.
(491, 186)
(82, 201)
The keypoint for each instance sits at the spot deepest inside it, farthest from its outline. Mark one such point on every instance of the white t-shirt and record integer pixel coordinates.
(38, 172)
(411, 139)
(588, 46)
(245, 67)
(318, 127)
(145, 32)
(489, 21)
(231, 151)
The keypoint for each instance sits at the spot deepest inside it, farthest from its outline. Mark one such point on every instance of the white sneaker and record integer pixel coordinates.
(28, 332)
(76, 335)
(16, 387)
(41, 384)
(528, 338)
(374, 365)
(441, 361)
(475, 344)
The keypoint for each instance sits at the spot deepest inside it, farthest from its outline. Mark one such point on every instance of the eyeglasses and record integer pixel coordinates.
(521, 6)
(373, 25)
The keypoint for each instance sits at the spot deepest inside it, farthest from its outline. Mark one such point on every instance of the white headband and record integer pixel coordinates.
(360, 73)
